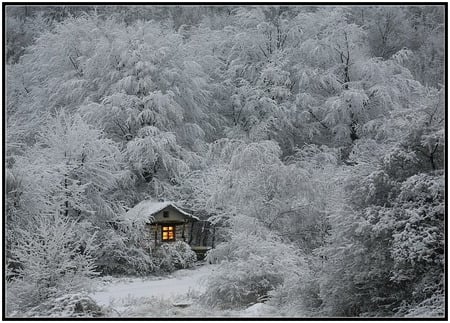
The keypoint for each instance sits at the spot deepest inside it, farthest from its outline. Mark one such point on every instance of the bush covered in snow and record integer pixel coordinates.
(71, 305)
(171, 256)
(53, 262)
(431, 307)
(120, 255)
(243, 283)
(251, 265)
(299, 295)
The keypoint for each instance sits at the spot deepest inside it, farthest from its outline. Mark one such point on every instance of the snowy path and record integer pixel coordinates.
(161, 296)
(181, 282)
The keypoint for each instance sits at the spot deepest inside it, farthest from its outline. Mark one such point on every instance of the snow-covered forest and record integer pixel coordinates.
(312, 137)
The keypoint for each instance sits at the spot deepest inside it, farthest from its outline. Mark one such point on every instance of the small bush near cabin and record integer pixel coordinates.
(172, 256)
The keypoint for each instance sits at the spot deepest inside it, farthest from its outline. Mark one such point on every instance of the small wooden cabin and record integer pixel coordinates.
(167, 222)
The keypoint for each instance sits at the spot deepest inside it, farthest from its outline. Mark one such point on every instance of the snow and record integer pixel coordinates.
(147, 208)
(181, 282)
(173, 295)
(258, 309)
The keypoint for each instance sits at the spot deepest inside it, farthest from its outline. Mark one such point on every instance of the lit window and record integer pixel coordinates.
(168, 233)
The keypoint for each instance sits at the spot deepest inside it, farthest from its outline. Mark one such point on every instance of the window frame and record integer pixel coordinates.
(168, 230)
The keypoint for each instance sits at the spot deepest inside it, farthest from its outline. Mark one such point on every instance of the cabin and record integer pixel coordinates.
(166, 222)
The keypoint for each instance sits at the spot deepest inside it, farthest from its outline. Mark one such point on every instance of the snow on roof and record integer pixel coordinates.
(148, 208)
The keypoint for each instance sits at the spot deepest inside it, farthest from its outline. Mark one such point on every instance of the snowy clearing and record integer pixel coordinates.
(171, 295)
(180, 282)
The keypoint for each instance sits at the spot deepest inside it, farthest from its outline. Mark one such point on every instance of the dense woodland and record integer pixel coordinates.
(313, 137)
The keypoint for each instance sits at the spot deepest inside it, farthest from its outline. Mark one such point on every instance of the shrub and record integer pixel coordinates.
(431, 307)
(299, 295)
(171, 256)
(242, 283)
(71, 305)
(251, 267)
(53, 262)
(120, 256)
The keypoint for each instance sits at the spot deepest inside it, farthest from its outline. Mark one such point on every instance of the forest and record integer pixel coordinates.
(312, 137)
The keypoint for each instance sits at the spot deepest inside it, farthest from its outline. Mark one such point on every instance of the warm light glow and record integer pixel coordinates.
(168, 233)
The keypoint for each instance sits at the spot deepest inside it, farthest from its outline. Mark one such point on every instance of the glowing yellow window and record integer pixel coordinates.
(168, 233)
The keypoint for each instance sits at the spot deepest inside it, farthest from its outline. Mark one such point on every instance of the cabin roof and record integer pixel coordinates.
(148, 208)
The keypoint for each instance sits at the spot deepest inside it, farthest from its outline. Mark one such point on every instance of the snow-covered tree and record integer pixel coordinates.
(72, 166)
(54, 259)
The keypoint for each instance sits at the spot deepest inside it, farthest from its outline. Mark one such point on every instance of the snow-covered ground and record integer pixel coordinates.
(167, 296)
(180, 282)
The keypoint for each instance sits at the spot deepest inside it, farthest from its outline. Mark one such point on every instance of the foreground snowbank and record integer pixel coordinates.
(168, 296)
